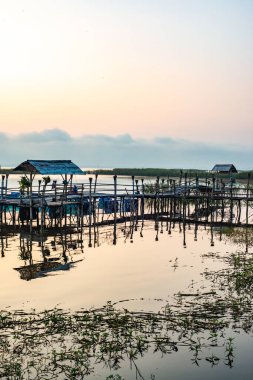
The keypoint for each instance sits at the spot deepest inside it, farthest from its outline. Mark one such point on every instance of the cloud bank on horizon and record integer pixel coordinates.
(120, 151)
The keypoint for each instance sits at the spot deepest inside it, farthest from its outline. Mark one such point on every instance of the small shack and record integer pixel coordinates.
(31, 168)
(224, 168)
(49, 167)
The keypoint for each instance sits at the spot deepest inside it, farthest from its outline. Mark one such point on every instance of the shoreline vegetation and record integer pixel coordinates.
(155, 172)
(160, 172)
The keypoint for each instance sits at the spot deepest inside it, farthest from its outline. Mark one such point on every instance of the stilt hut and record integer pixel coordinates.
(65, 168)
(49, 167)
(224, 168)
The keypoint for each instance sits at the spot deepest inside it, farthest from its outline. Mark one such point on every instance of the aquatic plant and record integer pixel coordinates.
(43, 345)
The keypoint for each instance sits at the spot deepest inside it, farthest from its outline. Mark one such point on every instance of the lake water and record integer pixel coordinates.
(205, 285)
(103, 181)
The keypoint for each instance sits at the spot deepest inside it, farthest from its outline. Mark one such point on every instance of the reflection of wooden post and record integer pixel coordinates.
(239, 212)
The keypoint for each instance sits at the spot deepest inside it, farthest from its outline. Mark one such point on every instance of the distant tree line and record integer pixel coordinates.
(159, 172)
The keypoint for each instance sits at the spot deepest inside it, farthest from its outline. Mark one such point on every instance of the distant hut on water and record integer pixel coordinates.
(224, 168)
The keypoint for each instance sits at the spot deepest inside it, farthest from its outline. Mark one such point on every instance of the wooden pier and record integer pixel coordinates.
(91, 203)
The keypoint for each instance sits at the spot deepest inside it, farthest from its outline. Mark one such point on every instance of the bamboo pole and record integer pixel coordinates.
(115, 210)
(31, 202)
(90, 211)
(247, 201)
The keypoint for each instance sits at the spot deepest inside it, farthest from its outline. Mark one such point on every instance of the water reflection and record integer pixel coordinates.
(205, 320)
(57, 251)
(55, 255)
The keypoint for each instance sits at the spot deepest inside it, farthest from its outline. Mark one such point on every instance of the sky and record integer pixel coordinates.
(148, 72)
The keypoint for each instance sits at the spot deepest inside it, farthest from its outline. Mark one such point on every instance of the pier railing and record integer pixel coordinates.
(92, 202)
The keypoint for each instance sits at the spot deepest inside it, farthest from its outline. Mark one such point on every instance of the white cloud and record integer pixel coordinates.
(119, 151)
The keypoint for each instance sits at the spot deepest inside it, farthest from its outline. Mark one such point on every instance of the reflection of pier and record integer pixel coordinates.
(75, 205)
(59, 250)
(43, 255)
(55, 254)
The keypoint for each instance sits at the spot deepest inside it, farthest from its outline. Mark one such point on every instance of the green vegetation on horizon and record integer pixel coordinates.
(154, 172)
(157, 172)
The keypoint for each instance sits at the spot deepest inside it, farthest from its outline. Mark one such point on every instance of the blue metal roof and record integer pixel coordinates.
(47, 167)
(225, 168)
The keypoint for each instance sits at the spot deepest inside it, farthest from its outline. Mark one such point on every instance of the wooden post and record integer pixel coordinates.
(115, 210)
(212, 211)
(180, 178)
(39, 182)
(133, 184)
(136, 202)
(55, 199)
(90, 211)
(142, 202)
(162, 205)
(157, 199)
(95, 186)
(6, 184)
(174, 203)
(231, 201)
(132, 203)
(247, 201)
(31, 202)
(2, 187)
(184, 207)
(81, 209)
(1, 206)
(42, 216)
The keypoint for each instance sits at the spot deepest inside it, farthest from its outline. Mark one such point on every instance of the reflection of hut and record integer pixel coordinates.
(224, 168)
(32, 271)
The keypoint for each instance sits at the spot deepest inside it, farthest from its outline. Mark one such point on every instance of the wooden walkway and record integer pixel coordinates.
(93, 203)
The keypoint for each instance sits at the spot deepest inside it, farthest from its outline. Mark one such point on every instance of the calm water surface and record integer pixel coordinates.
(146, 270)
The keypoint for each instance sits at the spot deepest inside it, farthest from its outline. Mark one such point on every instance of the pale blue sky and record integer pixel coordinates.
(164, 68)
